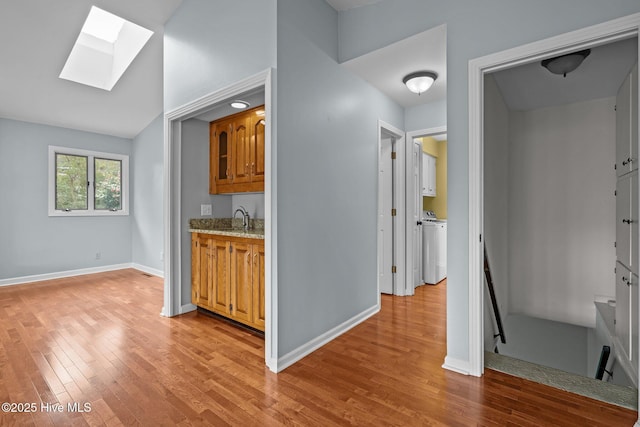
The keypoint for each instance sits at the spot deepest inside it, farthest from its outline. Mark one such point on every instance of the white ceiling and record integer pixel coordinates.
(532, 86)
(350, 4)
(37, 38)
(385, 68)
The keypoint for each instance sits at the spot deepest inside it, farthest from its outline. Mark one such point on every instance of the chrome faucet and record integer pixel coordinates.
(245, 217)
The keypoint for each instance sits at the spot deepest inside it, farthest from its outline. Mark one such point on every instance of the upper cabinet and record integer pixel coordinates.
(236, 149)
(626, 125)
(428, 175)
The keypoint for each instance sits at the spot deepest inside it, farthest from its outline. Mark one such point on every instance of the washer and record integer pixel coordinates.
(434, 248)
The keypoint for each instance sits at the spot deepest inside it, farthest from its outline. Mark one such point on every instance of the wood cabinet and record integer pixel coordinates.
(428, 175)
(236, 150)
(227, 277)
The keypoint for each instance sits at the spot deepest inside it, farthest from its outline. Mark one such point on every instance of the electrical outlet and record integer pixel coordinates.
(98, 255)
(205, 210)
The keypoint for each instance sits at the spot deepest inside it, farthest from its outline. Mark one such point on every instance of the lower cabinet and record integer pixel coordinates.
(227, 277)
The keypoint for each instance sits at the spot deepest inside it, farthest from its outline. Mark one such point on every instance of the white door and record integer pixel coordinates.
(417, 214)
(385, 220)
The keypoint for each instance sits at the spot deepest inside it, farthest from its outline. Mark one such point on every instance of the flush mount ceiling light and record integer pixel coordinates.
(420, 81)
(106, 46)
(240, 105)
(565, 63)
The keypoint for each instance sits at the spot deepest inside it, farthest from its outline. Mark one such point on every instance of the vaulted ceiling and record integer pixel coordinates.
(37, 37)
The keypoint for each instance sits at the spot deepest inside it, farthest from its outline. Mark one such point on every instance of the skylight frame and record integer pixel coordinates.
(104, 50)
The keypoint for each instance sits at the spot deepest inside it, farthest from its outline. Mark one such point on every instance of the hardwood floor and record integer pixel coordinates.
(99, 340)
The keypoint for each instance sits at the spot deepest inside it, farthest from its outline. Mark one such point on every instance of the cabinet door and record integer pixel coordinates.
(258, 318)
(220, 147)
(623, 217)
(633, 294)
(241, 152)
(623, 308)
(623, 128)
(220, 276)
(634, 117)
(429, 175)
(633, 227)
(257, 147)
(203, 291)
(241, 281)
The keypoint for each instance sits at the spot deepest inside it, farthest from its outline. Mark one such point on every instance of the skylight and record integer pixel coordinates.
(105, 48)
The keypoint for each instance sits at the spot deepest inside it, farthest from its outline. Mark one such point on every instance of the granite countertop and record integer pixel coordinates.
(227, 227)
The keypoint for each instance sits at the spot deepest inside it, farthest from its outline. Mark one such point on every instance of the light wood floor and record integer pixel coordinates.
(100, 340)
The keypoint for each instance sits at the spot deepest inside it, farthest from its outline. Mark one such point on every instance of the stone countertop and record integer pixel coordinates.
(227, 227)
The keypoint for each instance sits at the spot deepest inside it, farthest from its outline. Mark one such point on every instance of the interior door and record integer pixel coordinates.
(385, 221)
(417, 214)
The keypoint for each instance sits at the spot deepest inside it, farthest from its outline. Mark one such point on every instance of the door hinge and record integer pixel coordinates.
(615, 108)
(393, 155)
(393, 212)
(394, 269)
(231, 308)
(481, 238)
(230, 249)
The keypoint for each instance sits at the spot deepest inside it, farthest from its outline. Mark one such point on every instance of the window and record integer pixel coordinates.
(87, 183)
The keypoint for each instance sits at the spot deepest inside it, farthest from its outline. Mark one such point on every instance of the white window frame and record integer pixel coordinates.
(91, 155)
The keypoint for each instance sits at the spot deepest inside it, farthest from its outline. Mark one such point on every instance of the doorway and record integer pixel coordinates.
(391, 279)
(582, 39)
(176, 290)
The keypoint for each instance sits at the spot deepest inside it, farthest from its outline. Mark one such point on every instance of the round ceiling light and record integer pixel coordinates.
(420, 81)
(240, 105)
(565, 63)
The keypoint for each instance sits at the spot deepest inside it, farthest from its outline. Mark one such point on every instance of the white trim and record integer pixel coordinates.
(172, 219)
(186, 308)
(456, 365)
(148, 270)
(399, 281)
(595, 35)
(311, 346)
(91, 156)
(63, 274)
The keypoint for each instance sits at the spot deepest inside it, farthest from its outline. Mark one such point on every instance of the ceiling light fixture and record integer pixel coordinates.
(240, 105)
(564, 64)
(420, 81)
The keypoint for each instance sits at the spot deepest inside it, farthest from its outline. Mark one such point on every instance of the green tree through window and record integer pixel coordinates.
(71, 182)
(108, 184)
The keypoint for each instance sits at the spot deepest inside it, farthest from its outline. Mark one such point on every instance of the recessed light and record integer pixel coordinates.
(240, 105)
(106, 46)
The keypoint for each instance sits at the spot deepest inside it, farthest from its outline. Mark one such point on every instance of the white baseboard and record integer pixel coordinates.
(62, 274)
(186, 308)
(305, 349)
(148, 270)
(456, 365)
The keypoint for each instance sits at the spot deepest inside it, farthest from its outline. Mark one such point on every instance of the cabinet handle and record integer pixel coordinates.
(626, 281)
(246, 168)
(627, 162)
(253, 168)
(627, 221)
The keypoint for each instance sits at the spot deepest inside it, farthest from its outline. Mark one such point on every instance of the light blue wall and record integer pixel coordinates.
(474, 29)
(426, 116)
(209, 44)
(327, 179)
(147, 167)
(31, 242)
